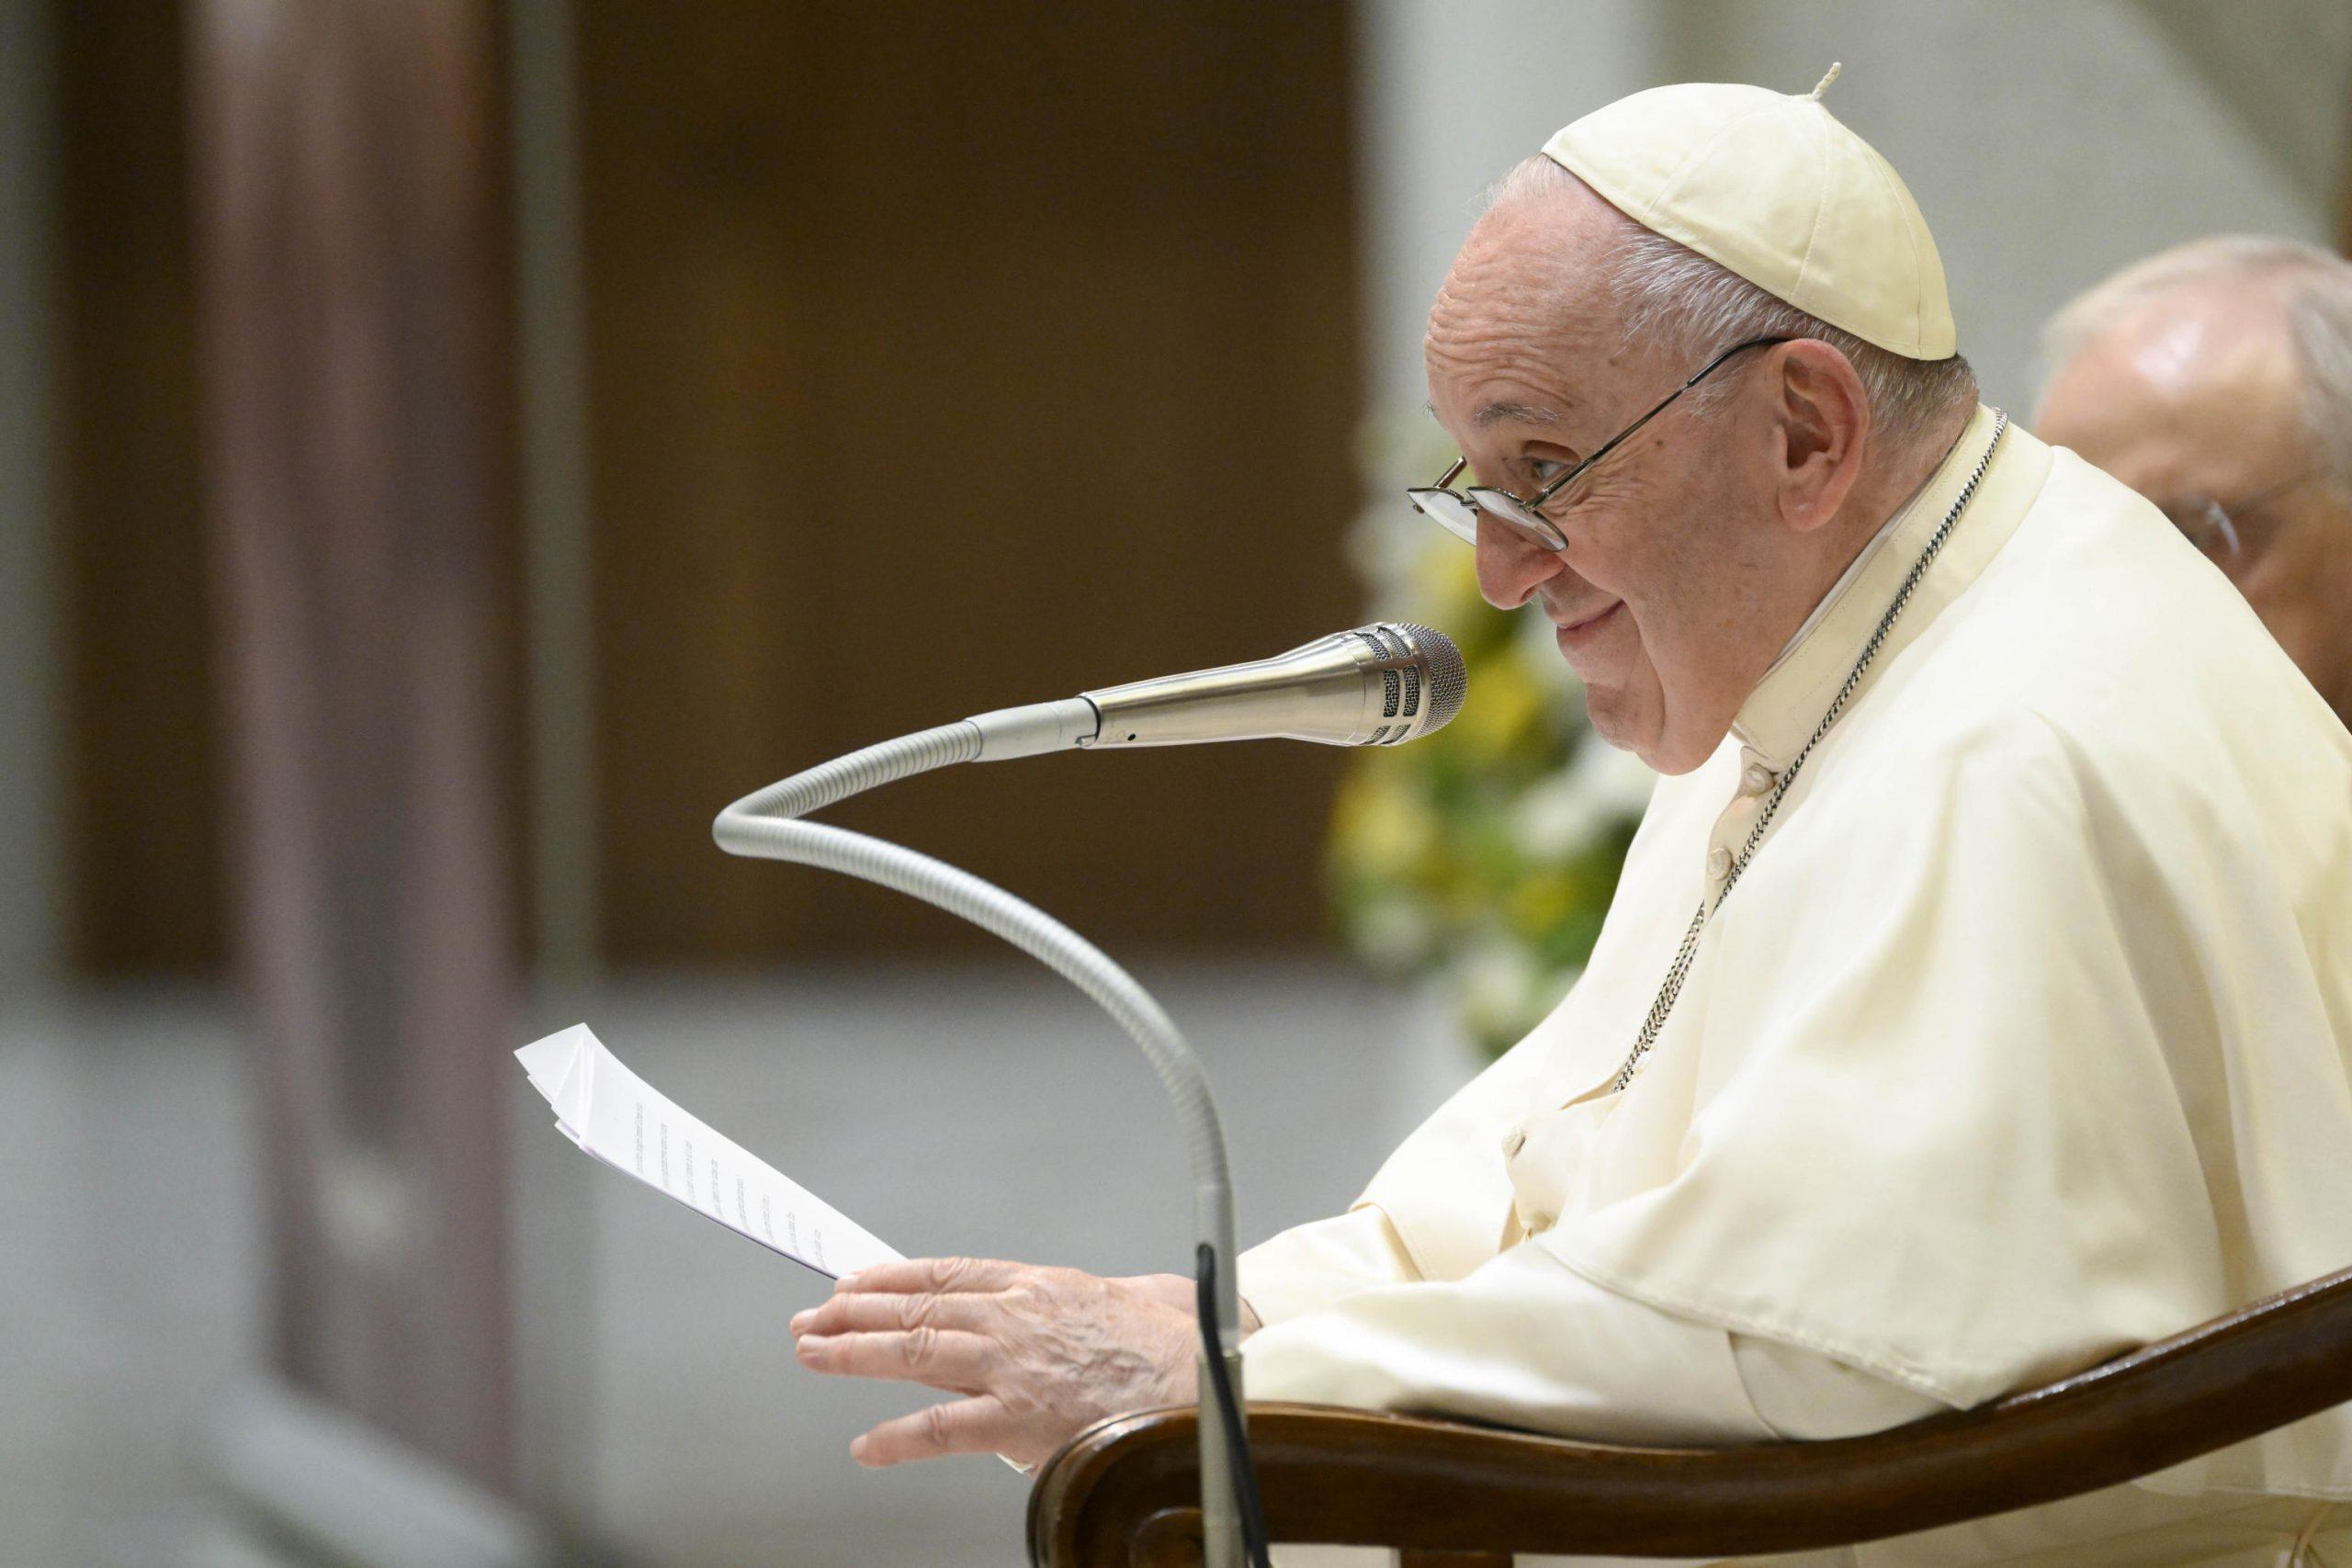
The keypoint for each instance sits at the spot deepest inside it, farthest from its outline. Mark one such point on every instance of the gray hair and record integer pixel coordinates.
(1669, 293)
(2313, 287)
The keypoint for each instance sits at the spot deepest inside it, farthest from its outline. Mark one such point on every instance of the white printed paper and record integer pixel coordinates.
(626, 1123)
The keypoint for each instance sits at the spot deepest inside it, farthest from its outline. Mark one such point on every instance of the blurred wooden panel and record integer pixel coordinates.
(359, 442)
(139, 791)
(945, 357)
(142, 757)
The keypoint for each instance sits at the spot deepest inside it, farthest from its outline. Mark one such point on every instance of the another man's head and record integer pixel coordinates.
(2215, 378)
(1697, 550)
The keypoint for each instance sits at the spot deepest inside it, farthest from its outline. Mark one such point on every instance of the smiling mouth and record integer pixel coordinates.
(1574, 631)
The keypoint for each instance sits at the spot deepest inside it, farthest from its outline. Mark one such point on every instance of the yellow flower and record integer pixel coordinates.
(1380, 826)
(1540, 903)
(1506, 709)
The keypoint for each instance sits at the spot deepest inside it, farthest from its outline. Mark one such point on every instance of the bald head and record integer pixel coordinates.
(2216, 379)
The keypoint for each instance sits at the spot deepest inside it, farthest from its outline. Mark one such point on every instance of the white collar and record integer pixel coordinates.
(1853, 570)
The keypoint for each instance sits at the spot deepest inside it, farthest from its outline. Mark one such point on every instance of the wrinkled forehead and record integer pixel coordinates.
(1527, 305)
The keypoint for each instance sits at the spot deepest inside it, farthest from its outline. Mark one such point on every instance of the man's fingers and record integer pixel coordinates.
(856, 1312)
(933, 1274)
(960, 1427)
(945, 1359)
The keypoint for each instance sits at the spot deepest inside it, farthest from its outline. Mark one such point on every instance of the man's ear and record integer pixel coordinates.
(1821, 426)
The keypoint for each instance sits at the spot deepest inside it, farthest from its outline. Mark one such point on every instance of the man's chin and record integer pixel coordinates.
(1618, 721)
(1631, 725)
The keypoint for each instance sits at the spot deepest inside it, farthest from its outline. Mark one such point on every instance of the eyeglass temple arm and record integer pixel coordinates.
(1549, 490)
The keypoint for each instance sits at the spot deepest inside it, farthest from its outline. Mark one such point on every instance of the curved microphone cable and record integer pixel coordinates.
(1396, 681)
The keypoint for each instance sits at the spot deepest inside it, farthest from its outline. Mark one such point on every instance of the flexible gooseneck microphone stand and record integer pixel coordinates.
(768, 825)
(1381, 685)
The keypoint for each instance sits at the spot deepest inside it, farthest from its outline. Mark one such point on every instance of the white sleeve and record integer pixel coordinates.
(1525, 1342)
(1311, 1266)
(1804, 1396)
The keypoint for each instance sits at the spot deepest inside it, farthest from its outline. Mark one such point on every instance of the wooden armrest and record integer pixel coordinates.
(1126, 1491)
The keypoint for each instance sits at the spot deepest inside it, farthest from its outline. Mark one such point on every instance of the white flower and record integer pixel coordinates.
(1557, 816)
(1392, 933)
(1560, 815)
(1493, 978)
(1619, 782)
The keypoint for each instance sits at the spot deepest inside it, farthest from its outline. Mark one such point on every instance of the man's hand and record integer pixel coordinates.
(1041, 1353)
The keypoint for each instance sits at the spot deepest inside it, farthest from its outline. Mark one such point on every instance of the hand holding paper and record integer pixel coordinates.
(1017, 1352)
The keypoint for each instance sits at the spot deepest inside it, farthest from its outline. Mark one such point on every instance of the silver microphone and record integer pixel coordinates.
(1378, 685)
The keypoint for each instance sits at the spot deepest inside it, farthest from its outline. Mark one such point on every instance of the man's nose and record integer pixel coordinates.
(1510, 568)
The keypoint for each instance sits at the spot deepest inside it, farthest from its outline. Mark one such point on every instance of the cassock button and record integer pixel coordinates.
(1719, 863)
(1514, 1142)
(1756, 778)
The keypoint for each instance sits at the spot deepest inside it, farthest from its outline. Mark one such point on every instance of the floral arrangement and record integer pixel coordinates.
(1484, 856)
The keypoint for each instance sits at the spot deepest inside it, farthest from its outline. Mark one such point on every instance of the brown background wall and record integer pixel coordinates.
(907, 399)
(140, 795)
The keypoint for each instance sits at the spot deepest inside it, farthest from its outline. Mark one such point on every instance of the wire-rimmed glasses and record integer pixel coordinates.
(2220, 530)
(1456, 512)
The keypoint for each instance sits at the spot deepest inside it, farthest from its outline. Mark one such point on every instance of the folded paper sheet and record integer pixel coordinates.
(624, 1122)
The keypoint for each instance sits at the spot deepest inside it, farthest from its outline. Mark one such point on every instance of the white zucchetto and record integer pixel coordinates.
(1772, 186)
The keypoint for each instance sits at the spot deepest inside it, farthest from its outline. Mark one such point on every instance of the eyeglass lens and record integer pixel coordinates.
(1449, 511)
(1459, 516)
(2208, 527)
(1519, 517)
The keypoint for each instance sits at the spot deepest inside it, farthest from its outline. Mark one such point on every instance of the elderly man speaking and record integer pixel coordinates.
(1976, 1002)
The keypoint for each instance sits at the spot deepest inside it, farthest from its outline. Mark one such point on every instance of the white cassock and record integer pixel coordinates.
(2025, 1039)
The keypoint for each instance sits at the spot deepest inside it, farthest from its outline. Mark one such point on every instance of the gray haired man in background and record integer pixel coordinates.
(2215, 378)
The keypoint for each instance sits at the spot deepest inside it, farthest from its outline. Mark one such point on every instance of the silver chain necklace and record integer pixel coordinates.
(1675, 975)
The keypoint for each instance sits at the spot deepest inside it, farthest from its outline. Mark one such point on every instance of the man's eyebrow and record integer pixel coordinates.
(1517, 413)
(1498, 412)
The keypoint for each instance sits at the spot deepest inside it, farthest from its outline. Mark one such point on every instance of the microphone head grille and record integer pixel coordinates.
(1449, 681)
